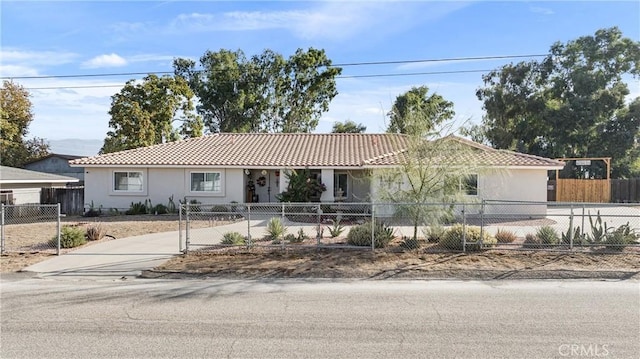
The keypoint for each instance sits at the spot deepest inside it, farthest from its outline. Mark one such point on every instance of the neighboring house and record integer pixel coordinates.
(57, 164)
(226, 167)
(19, 186)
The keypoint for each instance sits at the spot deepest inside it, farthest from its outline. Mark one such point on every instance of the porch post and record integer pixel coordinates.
(327, 180)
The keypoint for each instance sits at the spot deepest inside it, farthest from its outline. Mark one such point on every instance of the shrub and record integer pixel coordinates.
(299, 238)
(434, 233)
(70, 237)
(505, 236)
(95, 232)
(336, 229)
(219, 209)
(547, 236)
(619, 238)
(137, 208)
(453, 238)
(530, 240)
(410, 243)
(360, 235)
(276, 229)
(233, 238)
(160, 209)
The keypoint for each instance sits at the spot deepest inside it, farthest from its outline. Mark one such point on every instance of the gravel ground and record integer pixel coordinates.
(308, 262)
(260, 263)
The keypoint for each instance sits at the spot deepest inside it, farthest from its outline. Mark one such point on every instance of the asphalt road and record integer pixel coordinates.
(135, 318)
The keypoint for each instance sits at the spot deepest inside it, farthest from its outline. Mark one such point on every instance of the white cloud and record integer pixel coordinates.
(16, 70)
(35, 58)
(110, 60)
(17, 62)
(328, 20)
(151, 58)
(542, 10)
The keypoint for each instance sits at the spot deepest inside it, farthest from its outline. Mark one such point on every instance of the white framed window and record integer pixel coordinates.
(206, 182)
(467, 185)
(341, 183)
(470, 185)
(128, 181)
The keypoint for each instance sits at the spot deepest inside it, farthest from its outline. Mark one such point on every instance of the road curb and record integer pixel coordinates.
(408, 275)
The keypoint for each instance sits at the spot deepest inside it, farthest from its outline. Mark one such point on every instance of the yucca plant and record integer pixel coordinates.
(336, 229)
(276, 229)
(547, 235)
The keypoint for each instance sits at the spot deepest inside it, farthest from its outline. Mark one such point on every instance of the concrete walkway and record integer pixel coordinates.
(120, 257)
(132, 255)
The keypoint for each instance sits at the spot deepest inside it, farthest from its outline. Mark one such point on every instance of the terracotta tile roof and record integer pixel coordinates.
(292, 150)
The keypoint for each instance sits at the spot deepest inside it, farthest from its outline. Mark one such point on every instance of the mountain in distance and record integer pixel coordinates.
(75, 147)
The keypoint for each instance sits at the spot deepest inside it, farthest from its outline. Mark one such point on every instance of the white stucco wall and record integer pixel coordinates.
(514, 185)
(25, 195)
(159, 185)
(507, 185)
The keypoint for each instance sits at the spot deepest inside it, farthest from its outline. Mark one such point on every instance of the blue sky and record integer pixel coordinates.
(42, 38)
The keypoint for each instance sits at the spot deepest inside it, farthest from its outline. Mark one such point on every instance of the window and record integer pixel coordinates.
(6, 197)
(127, 181)
(206, 182)
(340, 184)
(467, 185)
(470, 185)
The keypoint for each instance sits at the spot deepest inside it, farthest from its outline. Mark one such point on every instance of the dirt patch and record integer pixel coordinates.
(261, 263)
(27, 244)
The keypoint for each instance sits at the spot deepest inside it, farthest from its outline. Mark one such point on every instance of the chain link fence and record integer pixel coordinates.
(433, 226)
(30, 228)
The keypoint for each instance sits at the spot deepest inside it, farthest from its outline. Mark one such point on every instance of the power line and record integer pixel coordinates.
(413, 74)
(370, 63)
(499, 57)
(337, 77)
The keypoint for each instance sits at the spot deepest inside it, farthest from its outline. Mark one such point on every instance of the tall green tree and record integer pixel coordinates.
(348, 127)
(264, 93)
(570, 104)
(15, 116)
(143, 114)
(416, 112)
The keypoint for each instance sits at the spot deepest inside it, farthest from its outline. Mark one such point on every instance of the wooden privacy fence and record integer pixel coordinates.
(71, 199)
(583, 190)
(625, 190)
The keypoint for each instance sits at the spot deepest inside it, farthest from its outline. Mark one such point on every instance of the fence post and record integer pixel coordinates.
(481, 222)
(58, 227)
(373, 228)
(319, 226)
(180, 229)
(571, 230)
(2, 229)
(464, 229)
(249, 224)
(187, 228)
(582, 227)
